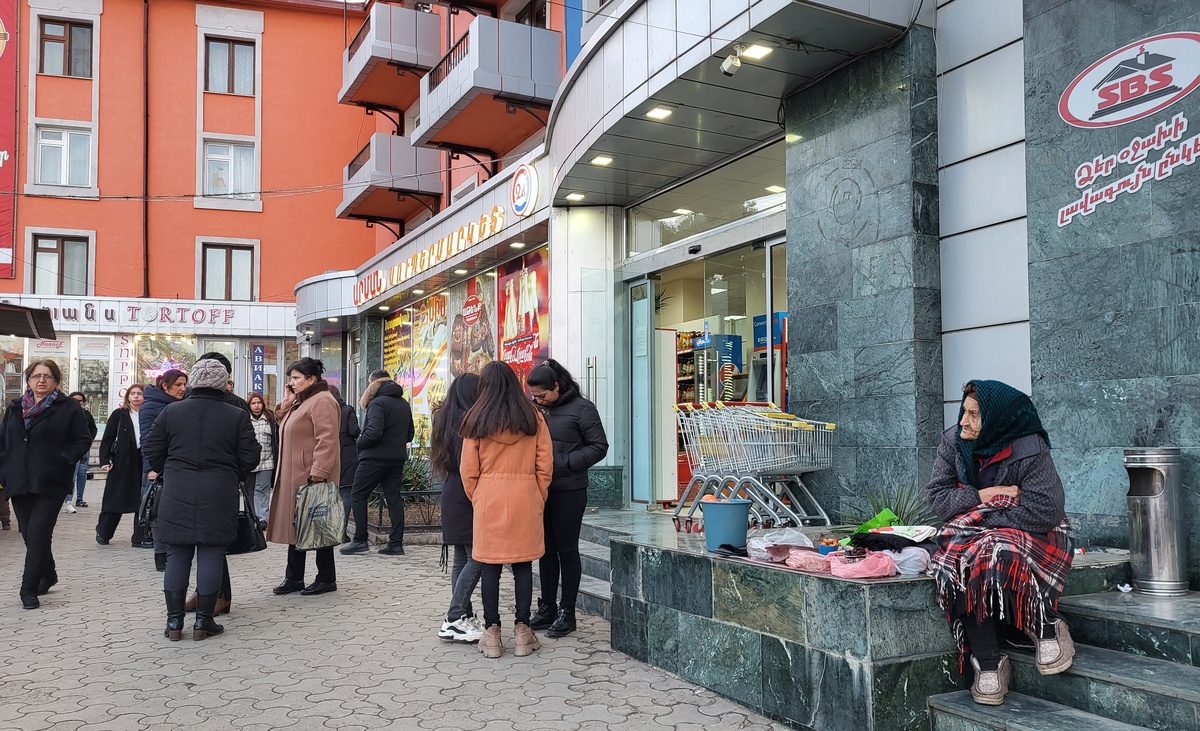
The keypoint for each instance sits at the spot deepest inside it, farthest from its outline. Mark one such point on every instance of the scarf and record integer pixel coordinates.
(1006, 415)
(31, 408)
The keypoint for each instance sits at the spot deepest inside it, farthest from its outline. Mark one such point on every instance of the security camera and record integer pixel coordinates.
(694, 249)
(733, 62)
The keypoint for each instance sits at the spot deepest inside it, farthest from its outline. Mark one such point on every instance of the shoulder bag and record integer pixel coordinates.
(148, 510)
(250, 537)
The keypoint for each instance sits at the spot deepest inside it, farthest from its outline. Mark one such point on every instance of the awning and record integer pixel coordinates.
(26, 322)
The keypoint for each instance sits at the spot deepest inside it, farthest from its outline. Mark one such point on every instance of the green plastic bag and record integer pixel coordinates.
(882, 519)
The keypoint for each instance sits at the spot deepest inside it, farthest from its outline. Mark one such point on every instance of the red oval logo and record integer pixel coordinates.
(1133, 82)
(472, 310)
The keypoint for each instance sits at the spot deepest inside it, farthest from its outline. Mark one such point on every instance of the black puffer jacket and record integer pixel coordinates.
(41, 460)
(156, 400)
(388, 427)
(204, 447)
(347, 437)
(579, 440)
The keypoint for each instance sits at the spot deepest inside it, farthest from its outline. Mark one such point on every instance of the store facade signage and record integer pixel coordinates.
(1134, 81)
(447, 247)
(115, 315)
(523, 190)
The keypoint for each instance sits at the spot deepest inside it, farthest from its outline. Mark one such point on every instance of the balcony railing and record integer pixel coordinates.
(360, 160)
(450, 62)
(360, 36)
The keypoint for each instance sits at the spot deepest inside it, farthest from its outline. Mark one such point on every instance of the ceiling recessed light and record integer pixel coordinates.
(602, 160)
(418, 291)
(659, 113)
(682, 212)
(734, 318)
(490, 274)
(460, 272)
(717, 290)
(756, 51)
(306, 332)
(333, 319)
(516, 245)
(575, 197)
(383, 308)
(775, 189)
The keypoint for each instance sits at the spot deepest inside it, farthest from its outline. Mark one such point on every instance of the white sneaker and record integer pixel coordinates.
(69, 508)
(464, 629)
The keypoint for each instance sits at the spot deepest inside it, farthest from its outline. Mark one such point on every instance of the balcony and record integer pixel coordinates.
(473, 97)
(390, 180)
(386, 59)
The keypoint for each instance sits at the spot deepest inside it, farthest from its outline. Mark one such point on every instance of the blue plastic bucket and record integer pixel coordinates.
(725, 522)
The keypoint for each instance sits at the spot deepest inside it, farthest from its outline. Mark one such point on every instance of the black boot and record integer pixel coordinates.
(544, 616)
(564, 623)
(160, 561)
(174, 630)
(205, 626)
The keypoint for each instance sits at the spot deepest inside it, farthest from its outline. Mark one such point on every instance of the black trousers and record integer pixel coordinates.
(36, 517)
(106, 527)
(326, 572)
(391, 477)
(209, 560)
(562, 519)
(489, 590)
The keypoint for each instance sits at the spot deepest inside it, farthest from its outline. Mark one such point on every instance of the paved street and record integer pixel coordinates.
(364, 657)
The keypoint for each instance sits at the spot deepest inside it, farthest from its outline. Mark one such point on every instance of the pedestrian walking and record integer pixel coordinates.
(347, 438)
(167, 389)
(43, 436)
(81, 468)
(205, 449)
(266, 431)
(457, 515)
(121, 460)
(579, 443)
(382, 452)
(506, 466)
(309, 421)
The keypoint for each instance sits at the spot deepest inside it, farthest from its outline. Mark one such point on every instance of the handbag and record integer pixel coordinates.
(320, 516)
(148, 509)
(250, 537)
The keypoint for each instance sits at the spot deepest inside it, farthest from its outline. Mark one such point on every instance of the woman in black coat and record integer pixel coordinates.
(205, 448)
(43, 436)
(579, 443)
(458, 516)
(121, 459)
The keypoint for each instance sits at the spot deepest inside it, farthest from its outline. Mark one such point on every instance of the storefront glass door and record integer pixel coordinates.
(92, 375)
(264, 370)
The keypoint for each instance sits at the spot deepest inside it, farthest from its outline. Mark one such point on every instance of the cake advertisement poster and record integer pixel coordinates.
(523, 290)
(430, 370)
(471, 311)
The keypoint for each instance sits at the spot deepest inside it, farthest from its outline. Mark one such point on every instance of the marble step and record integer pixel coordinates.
(598, 534)
(596, 560)
(1097, 570)
(1164, 628)
(1153, 693)
(595, 595)
(958, 712)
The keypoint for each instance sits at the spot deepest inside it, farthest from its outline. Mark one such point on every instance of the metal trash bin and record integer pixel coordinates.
(1157, 545)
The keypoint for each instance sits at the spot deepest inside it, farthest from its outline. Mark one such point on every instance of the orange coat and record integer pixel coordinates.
(309, 444)
(506, 477)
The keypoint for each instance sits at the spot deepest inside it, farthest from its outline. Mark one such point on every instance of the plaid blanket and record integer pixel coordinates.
(1009, 574)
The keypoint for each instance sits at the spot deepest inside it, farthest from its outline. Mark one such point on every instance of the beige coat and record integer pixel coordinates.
(506, 477)
(308, 445)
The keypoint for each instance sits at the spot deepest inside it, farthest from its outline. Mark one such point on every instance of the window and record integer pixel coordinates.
(66, 48)
(229, 170)
(230, 67)
(64, 157)
(228, 272)
(60, 266)
(533, 14)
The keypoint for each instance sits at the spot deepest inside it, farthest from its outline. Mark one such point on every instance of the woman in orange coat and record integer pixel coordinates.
(507, 463)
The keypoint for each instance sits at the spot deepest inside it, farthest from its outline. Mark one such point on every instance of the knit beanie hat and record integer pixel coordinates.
(208, 373)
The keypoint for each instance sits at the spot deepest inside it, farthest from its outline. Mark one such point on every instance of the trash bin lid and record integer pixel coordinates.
(1151, 456)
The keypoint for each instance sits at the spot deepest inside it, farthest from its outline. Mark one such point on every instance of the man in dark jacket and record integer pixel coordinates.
(347, 439)
(382, 452)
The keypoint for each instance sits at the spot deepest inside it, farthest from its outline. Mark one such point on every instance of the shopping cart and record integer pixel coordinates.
(752, 451)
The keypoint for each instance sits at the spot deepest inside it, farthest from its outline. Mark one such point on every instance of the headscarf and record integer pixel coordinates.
(1005, 415)
(31, 407)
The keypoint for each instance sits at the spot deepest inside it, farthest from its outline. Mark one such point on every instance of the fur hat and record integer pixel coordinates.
(208, 373)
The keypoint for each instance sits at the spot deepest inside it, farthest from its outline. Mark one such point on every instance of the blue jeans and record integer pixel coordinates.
(81, 474)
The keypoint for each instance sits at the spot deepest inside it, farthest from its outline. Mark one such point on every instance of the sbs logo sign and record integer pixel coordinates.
(523, 191)
(1133, 82)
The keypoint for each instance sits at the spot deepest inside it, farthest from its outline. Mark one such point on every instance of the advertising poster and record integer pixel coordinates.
(430, 367)
(8, 134)
(471, 311)
(524, 311)
(391, 343)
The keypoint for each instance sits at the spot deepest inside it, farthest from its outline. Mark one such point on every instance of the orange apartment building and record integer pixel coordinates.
(177, 168)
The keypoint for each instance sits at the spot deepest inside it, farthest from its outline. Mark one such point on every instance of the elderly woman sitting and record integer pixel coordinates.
(1006, 547)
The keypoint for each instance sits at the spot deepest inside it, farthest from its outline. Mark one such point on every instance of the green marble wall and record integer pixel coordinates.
(606, 487)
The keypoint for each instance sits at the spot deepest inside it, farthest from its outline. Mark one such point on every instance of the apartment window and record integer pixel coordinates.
(64, 157)
(533, 14)
(230, 67)
(60, 266)
(66, 48)
(228, 272)
(229, 170)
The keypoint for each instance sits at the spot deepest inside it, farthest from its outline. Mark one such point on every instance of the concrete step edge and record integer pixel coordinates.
(1021, 712)
(1149, 675)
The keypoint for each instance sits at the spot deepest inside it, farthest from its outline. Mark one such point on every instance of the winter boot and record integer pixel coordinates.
(190, 606)
(175, 602)
(490, 644)
(205, 626)
(564, 623)
(544, 616)
(524, 641)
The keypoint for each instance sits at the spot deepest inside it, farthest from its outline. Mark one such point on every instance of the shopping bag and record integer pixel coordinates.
(320, 516)
(250, 537)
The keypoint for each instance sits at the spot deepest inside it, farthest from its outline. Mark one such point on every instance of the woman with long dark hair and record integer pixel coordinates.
(506, 464)
(266, 431)
(43, 435)
(309, 451)
(457, 515)
(579, 443)
(121, 460)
